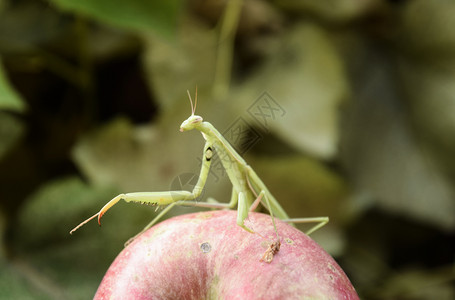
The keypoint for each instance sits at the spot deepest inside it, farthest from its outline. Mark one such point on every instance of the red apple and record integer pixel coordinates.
(207, 256)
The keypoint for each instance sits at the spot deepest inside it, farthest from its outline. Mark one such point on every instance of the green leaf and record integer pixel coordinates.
(157, 16)
(419, 284)
(384, 148)
(9, 98)
(172, 68)
(62, 203)
(290, 95)
(11, 131)
(13, 285)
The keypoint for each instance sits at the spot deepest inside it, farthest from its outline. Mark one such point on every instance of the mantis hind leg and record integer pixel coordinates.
(273, 206)
(321, 221)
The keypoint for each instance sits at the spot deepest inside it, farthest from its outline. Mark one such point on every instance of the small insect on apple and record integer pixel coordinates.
(271, 251)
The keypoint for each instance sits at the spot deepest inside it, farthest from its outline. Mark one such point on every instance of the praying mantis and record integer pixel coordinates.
(247, 188)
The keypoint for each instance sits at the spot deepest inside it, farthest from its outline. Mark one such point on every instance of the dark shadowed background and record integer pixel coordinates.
(344, 108)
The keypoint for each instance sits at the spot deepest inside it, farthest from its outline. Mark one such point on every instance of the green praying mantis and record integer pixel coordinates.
(248, 190)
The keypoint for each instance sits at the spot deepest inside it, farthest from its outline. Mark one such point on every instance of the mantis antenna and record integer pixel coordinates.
(193, 109)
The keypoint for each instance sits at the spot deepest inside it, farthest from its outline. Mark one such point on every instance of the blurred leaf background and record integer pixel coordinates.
(344, 108)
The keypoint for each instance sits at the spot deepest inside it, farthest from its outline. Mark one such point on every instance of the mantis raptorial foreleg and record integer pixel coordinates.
(170, 198)
(248, 190)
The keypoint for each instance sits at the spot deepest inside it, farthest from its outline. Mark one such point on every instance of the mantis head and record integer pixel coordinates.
(190, 123)
(194, 120)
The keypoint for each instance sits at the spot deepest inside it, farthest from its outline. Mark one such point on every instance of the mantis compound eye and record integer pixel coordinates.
(197, 120)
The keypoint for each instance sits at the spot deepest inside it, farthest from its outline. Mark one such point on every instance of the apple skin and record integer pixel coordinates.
(208, 256)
